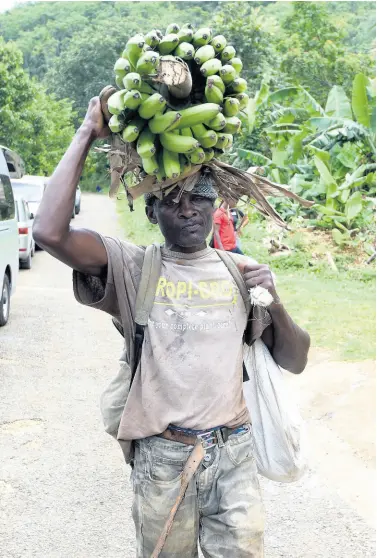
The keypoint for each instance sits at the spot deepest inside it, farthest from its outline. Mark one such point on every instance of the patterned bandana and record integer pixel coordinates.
(204, 187)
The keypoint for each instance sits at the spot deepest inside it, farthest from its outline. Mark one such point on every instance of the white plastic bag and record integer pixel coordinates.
(277, 427)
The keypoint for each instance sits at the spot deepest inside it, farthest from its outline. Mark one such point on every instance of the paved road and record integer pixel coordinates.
(64, 489)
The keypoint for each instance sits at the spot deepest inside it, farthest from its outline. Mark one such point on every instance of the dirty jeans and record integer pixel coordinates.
(222, 506)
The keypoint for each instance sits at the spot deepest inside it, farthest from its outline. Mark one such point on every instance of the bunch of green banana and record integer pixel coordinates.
(168, 141)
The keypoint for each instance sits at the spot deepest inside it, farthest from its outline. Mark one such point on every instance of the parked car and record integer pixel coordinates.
(25, 238)
(31, 189)
(78, 200)
(10, 163)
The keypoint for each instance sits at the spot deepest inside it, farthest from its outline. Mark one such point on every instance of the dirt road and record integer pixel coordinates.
(64, 489)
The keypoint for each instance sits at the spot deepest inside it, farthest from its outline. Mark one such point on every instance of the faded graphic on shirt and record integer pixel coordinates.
(189, 305)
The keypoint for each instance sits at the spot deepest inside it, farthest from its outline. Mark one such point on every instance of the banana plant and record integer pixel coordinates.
(324, 154)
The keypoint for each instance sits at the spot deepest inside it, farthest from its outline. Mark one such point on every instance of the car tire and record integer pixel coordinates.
(4, 301)
(26, 264)
(73, 214)
(32, 250)
(77, 209)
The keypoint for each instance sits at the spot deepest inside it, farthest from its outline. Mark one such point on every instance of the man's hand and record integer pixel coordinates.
(259, 274)
(94, 120)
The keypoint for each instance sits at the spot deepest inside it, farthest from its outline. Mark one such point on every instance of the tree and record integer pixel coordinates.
(34, 124)
(244, 27)
(314, 54)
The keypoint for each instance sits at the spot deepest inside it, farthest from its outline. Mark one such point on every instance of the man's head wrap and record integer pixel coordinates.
(204, 187)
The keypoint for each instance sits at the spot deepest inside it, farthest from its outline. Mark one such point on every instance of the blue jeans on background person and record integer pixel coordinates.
(236, 250)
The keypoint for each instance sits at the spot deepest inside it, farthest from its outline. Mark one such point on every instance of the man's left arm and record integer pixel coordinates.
(287, 342)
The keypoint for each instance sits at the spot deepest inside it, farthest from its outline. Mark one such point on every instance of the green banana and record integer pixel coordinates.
(237, 64)
(115, 103)
(172, 166)
(206, 138)
(158, 33)
(148, 63)
(132, 99)
(121, 67)
(115, 124)
(168, 43)
(208, 155)
(132, 130)
(119, 81)
(185, 35)
(211, 67)
(154, 104)
(217, 123)
(186, 132)
(202, 37)
(213, 94)
(222, 141)
(145, 146)
(197, 157)
(198, 114)
(164, 122)
(209, 139)
(185, 164)
(243, 99)
(204, 53)
(198, 130)
(233, 125)
(178, 144)
(147, 48)
(150, 165)
(134, 48)
(185, 51)
(152, 39)
(238, 85)
(217, 81)
(231, 106)
(172, 28)
(187, 26)
(132, 81)
(228, 53)
(146, 88)
(144, 97)
(219, 43)
(228, 74)
(229, 137)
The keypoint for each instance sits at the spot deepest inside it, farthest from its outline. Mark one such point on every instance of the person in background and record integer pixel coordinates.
(224, 234)
(240, 220)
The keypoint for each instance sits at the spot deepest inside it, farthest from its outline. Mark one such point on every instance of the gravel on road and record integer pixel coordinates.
(64, 489)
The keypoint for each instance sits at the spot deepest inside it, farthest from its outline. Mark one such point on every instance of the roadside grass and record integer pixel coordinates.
(337, 308)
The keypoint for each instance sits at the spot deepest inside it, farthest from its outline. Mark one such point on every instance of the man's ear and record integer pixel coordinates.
(149, 211)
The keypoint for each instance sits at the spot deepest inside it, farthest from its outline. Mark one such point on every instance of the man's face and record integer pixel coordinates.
(186, 223)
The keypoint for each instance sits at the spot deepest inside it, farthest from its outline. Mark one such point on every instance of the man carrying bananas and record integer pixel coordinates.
(187, 389)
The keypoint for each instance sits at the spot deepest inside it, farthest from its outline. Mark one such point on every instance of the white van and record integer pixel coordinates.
(10, 163)
(31, 189)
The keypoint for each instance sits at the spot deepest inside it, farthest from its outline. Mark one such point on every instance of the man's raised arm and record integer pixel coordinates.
(81, 249)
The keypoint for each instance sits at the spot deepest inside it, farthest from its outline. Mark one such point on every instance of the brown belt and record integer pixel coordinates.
(209, 438)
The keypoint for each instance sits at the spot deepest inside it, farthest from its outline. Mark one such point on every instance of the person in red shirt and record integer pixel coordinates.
(224, 235)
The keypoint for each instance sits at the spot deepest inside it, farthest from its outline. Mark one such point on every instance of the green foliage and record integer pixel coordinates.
(314, 52)
(323, 154)
(244, 27)
(32, 123)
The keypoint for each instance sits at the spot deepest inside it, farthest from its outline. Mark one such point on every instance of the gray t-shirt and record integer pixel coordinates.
(190, 373)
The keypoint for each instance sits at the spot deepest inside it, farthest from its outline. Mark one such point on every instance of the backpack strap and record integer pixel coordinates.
(150, 273)
(232, 267)
(230, 263)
